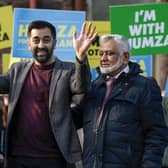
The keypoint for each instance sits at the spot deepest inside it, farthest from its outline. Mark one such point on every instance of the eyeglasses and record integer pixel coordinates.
(107, 53)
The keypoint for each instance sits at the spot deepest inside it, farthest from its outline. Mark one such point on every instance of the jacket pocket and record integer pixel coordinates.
(127, 99)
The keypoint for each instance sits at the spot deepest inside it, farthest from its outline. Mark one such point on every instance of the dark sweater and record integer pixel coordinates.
(31, 130)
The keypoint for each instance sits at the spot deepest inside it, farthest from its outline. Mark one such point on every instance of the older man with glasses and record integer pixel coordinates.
(122, 114)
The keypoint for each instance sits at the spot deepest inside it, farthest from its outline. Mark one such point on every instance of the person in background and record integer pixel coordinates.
(162, 76)
(40, 131)
(121, 115)
(3, 115)
(4, 110)
(163, 72)
(162, 62)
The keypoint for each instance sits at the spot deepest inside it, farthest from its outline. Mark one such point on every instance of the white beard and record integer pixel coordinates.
(113, 68)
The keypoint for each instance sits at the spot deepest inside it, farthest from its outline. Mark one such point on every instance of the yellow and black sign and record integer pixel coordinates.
(5, 27)
(102, 27)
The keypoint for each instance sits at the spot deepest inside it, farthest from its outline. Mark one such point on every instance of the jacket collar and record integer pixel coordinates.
(132, 69)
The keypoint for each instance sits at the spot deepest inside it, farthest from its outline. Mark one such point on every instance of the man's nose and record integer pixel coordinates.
(104, 56)
(41, 44)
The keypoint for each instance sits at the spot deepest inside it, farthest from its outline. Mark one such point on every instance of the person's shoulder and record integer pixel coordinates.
(148, 87)
(65, 64)
(148, 79)
(150, 83)
(20, 64)
(143, 79)
(145, 83)
(68, 63)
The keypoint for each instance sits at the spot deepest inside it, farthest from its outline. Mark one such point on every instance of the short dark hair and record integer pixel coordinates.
(40, 24)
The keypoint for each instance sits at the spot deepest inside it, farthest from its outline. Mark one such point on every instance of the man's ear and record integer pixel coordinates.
(55, 43)
(126, 57)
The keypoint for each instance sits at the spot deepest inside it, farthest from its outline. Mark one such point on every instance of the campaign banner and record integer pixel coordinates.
(5, 26)
(145, 62)
(66, 22)
(5, 62)
(8, 60)
(102, 27)
(145, 25)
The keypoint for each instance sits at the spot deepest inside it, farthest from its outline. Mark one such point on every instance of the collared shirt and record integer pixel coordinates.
(126, 70)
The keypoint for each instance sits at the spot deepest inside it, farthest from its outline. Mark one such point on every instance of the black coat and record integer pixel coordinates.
(132, 132)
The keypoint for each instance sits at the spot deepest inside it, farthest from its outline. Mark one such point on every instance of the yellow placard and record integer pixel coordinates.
(8, 60)
(102, 27)
(5, 62)
(5, 27)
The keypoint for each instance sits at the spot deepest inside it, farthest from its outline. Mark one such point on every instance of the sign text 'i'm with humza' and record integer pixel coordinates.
(145, 25)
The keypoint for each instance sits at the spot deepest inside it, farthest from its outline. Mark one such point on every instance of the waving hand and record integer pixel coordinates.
(82, 42)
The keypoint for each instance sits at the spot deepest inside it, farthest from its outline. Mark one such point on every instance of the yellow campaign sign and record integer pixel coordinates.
(5, 26)
(102, 27)
(7, 61)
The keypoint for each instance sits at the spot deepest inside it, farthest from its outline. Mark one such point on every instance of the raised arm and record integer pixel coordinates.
(82, 42)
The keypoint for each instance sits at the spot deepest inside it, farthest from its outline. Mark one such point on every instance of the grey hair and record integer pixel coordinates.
(121, 40)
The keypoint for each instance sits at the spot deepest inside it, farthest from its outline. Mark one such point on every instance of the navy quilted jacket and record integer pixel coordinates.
(132, 132)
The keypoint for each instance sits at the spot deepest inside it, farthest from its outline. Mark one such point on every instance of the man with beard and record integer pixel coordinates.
(122, 117)
(40, 131)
